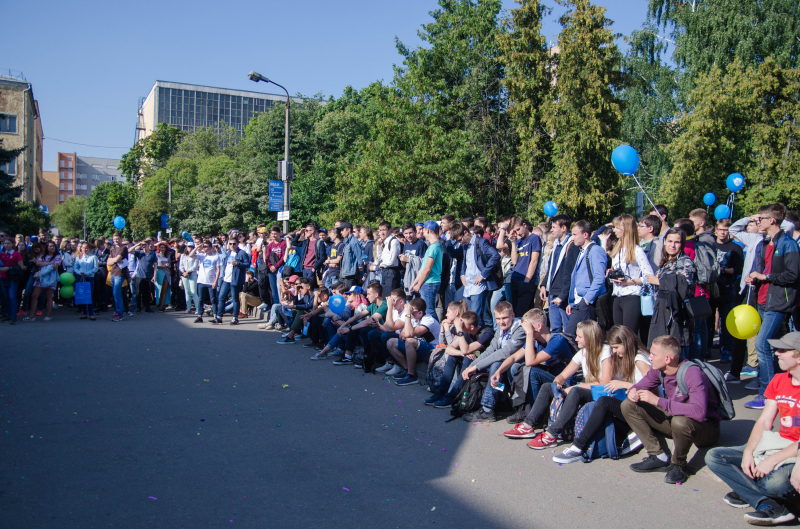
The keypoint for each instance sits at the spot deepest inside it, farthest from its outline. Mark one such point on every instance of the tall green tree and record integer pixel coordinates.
(9, 193)
(108, 200)
(529, 79)
(584, 114)
(157, 148)
(68, 216)
(29, 219)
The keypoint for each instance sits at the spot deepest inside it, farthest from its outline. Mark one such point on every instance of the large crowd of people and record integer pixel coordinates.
(550, 317)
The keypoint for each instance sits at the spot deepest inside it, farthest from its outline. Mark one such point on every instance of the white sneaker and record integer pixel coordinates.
(630, 444)
(277, 327)
(569, 455)
(384, 368)
(730, 379)
(394, 370)
(752, 386)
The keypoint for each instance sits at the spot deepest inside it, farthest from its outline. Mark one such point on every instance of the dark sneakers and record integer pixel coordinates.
(650, 464)
(480, 416)
(769, 512)
(518, 417)
(675, 474)
(736, 501)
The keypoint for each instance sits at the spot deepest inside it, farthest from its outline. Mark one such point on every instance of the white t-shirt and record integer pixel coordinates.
(208, 268)
(431, 324)
(580, 359)
(637, 375)
(229, 264)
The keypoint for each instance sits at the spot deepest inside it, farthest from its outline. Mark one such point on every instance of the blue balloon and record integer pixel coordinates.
(550, 208)
(735, 182)
(337, 304)
(187, 237)
(625, 159)
(709, 199)
(119, 222)
(722, 212)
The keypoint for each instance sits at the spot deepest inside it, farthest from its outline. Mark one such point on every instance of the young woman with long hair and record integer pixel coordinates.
(629, 267)
(188, 269)
(85, 268)
(11, 272)
(49, 261)
(163, 275)
(629, 364)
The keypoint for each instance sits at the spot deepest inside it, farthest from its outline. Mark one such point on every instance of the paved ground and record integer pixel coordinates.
(156, 422)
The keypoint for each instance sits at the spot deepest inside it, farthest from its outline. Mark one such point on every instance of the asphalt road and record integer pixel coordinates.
(157, 422)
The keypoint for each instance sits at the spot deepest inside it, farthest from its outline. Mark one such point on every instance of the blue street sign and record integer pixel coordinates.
(275, 195)
(164, 221)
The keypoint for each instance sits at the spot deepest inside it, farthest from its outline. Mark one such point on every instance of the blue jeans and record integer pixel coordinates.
(116, 289)
(428, 293)
(10, 297)
(451, 366)
(490, 395)
(475, 304)
(697, 351)
(224, 290)
(725, 338)
(726, 463)
(276, 315)
(423, 349)
(273, 286)
(558, 316)
(451, 294)
(206, 292)
(538, 377)
(770, 324)
(134, 286)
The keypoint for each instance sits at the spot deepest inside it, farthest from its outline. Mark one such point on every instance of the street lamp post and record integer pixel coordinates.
(169, 181)
(256, 77)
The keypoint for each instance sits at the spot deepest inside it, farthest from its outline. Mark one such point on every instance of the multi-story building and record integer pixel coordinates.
(189, 106)
(77, 176)
(21, 127)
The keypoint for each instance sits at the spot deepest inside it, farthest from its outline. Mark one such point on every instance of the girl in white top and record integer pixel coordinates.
(188, 266)
(630, 260)
(629, 363)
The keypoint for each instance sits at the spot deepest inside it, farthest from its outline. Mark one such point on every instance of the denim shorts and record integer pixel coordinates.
(423, 349)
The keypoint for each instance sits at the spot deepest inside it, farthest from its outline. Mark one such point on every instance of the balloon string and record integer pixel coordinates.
(644, 192)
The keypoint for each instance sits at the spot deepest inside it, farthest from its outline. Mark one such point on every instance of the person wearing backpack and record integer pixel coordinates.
(705, 261)
(776, 273)
(478, 270)
(690, 418)
(594, 358)
(762, 472)
(588, 278)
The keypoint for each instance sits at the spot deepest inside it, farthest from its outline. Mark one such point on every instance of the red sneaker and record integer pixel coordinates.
(542, 441)
(241, 315)
(38, 312)
(520, 431)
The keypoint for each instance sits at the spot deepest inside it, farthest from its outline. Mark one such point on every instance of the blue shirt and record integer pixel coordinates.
(525, 247)
(560, 353)
(417, 248)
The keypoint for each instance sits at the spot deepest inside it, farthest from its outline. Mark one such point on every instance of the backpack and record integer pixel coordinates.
(725, 409)
(555, 407)
(292, 260)
(604, 442)
(471, 395)
(705, 261)
(435, 373)
(497, 271)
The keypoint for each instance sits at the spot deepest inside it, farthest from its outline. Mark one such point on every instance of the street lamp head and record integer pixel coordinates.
(256, 77)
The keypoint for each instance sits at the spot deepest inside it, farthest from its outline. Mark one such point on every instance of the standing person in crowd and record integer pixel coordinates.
(334, 259)
(662, 213)
(525, 250)
(454, 290)
(188, 267)
(351, 255)
(562, 261)
(11, 271)
(389, 263)
(310, 248)
(480, 259)
(688, 419)
(85, 267)
(102, 253)
(731, 259)
(649, 229)
(46, 264)
(236, 262)
(23, 250)
(146, 260)
(162, 277)
(763, 473)
(587, 280)
(629, 267)
(118, 263)
(775, 274)
(676, 283)
(429, 279)
(37, 250)
(413, 245)
(276, 257)
(704, 237)
(207, 278)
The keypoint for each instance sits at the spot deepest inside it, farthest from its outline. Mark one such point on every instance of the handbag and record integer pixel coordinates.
(697, 308)
(83, 293)
(48, 276)
(647, 301)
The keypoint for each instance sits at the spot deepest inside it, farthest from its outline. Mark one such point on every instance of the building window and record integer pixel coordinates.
(61, 163)
(61, 198)
(61, 185)
(93, 187)
(8, 123)
(69, 158)
(9, 168)
(111, 167)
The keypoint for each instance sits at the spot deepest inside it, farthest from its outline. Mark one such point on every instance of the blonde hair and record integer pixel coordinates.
(461, 306)
(535, 316)
(629, 239)
(593, 336)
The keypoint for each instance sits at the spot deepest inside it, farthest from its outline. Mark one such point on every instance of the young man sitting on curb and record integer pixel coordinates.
(367, 319)
(383, 332)
(688, 419)
(763, 472)
(419, 336)
(506, 342)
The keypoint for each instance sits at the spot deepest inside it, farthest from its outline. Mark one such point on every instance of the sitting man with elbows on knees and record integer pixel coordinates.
(688, 419)
(419, 336)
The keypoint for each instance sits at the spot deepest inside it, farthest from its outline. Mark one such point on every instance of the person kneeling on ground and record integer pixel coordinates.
(416, 340)
(594, 357)
(763, 472)
(505, 343)
(688, 419)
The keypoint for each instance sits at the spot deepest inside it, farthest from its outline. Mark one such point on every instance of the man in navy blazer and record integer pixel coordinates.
(480, 257)
(235, 263)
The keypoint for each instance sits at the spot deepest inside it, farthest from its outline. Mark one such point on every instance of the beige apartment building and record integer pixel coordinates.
(77, 176)
(21, 127)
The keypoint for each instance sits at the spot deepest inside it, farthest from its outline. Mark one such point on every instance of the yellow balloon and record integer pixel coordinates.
(743, 322)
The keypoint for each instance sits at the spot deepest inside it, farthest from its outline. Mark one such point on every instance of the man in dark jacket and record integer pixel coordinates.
(480, 259)
(311, 249)
(776, 272)
(235, 263)
(562, 262)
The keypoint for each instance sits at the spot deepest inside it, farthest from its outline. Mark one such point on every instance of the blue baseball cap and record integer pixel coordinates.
(355, 290)
(420, 224)
(431, 225)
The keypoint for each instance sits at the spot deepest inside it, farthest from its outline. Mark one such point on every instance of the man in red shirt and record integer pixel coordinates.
(9, 281)
(761, 473)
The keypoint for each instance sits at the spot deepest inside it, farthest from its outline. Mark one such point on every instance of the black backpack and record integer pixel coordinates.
(471, 395)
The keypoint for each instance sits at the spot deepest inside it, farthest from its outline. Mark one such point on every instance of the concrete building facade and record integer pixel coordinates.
(77, 176)
(21, 127)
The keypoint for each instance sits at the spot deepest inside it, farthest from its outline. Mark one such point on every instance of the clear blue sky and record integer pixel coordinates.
(90, 61)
